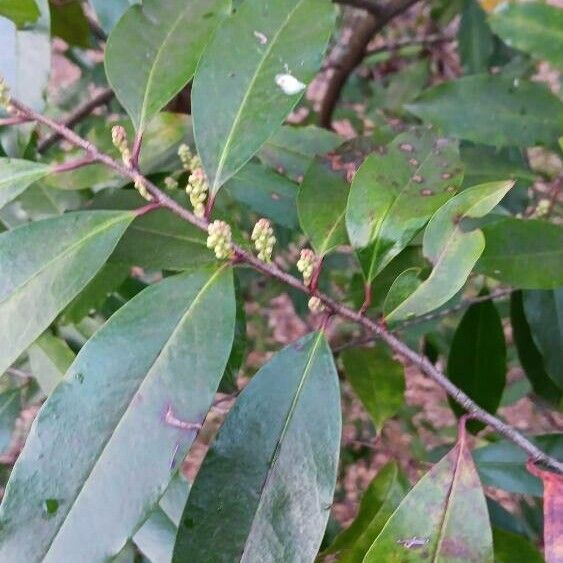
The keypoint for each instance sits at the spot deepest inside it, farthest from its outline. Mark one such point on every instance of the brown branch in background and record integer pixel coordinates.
(80, 113)
(273, 271)
(355, 52)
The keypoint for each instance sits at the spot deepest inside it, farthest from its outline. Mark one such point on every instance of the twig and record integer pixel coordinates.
(72, 165)
(9, 121)
(78, 115)
(424, 40)
(271, 270)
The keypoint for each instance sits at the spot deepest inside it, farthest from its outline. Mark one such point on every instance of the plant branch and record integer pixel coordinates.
(424, 40)
(77, 116)
(371, 6)
(355, 53)
(272, 270)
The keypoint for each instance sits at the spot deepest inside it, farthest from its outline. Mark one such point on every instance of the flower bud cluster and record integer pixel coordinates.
(542, 208)
(5, 101)
(142, 189)
(306, 265)
(264, 239)
(220, 239)
(189, 160)
(316, 305)
(119, 140)
(197, 189)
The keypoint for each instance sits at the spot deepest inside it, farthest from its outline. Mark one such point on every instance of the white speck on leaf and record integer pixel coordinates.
(261, 37)
(289, 84)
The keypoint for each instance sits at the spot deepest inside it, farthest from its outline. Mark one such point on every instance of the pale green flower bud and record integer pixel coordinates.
(142, 189)
(197, 189)
(306, 264)
(264, 239)
(219, 239)
(316, 305)
(119, 140)
(542, 208)
(170, 183)
(188, 159)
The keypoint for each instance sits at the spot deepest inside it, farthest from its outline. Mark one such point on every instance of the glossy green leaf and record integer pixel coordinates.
(109, 13)
(49, 357)
(533, 27)
(503, 464)
(21, 12)
(379, 501)
(126, 414)
(266, 486)
(403, 286)
(475, 40)
(511, 548)
(69, 22)
(44, 266)
(285, 38)
(544, 311)
(528, 353)
(322, 206)
(477, 359)
(378, 381)
(444, 517)
(527, 254)
(17, 175)
(10, 407)
(494, 110)
(169, 38)
(395, 192)
(451, 249)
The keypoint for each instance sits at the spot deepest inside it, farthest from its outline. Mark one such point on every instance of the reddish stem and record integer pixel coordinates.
(72, 165)
(140, 211)
(136, 151)
(367, 298)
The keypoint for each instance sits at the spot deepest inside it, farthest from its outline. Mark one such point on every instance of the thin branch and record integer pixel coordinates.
(424, 40)
(77, 116)
(72, 165)
(272, 270)
(9, 121)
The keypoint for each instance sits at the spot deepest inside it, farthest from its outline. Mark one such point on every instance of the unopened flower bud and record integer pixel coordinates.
(197, 189)
(219, 239)
(119, 140)
(188, 159)
(306, 264)
(264, 239)
(316, 305)
(142, 189)
(542, 208)
(5, 101)
(170, 183)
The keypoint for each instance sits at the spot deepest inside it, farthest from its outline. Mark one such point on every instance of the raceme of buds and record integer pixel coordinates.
(119, 140)
(4, 95)
(542, 208)
(142, 189)
(189, 161)
(306, 264)
(316, 305)
(264, 239)
(197, 189)
(219, 239)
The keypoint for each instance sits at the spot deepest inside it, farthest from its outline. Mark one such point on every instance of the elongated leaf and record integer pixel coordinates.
(16, 175)
(21, 12)
(475, 38)
(44, 266)
(379, 501)
(273, 40)
(528, 353)
(395, 193)
(126, 414)
(174, 34)
(452, 250)
(443, 518)
(265, 487)
(525, 254)
(511, 548)
(322, 205)
(477, 359)
(533, 27)
(69, 22)
(493, 110)
(377, 379)
(544, 311)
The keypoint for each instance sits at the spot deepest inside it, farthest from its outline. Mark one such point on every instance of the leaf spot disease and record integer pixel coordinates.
(426, 192)
(289, 84)
(262, 39)
(406, 147)
(418, 179)
(413, 162)
(172, 420)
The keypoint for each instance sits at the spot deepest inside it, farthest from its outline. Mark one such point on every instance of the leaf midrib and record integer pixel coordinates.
(238, 116)
(122, 417)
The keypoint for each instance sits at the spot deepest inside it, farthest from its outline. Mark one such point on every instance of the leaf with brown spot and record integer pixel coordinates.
(444, 518)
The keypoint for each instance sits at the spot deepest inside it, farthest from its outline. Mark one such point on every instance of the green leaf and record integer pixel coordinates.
(378, 381)
(527, 254)
(503, 464)
(511, 548)
(272, 467)
(136, 391)
(109, 13)
(443, 518)
(321, 204)
(17, 175)
(404, 285)
(380, 500)
(287, 37)
(406, 84)
(394, 194)
(533, 27)
(69, 22)
(169, 38)
(475, 39)
(452, 250)
(10, 407)
(45, 265)
(477, 359)
(544, 311)
(291, 149)
(494, 110)
(50, 357)
(528, 353)
(21, 12)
